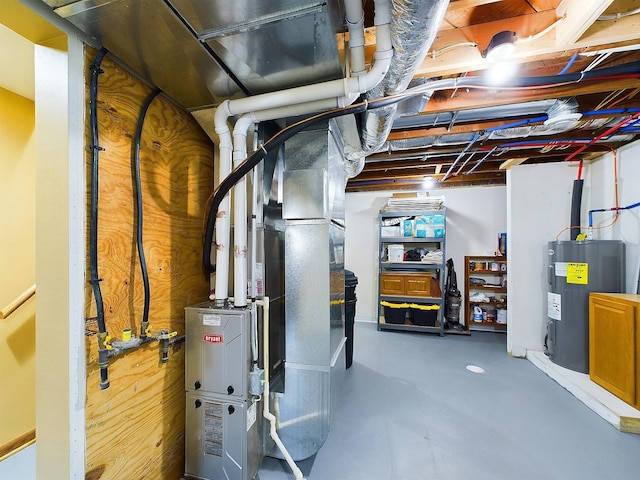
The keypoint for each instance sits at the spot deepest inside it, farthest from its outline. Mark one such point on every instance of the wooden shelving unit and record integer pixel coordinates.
(485, 293)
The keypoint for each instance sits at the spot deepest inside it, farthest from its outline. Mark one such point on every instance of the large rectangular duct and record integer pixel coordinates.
(313, 211)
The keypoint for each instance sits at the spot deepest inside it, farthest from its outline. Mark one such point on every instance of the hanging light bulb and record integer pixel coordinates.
(501, 46)
(499, 51)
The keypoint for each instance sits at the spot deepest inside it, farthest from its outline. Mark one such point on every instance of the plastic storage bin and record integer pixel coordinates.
(395, 253)
(395, 313)
(424, 315)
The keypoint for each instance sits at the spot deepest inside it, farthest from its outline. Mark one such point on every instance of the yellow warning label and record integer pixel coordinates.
(578, 273)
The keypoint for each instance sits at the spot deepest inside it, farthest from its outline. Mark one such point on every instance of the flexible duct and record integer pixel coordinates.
(414, 26)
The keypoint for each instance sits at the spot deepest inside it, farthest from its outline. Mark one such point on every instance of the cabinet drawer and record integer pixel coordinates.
(409, 284)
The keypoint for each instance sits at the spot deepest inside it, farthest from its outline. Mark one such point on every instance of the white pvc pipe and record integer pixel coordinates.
(240, 214)
(266, 413)
(336, 93)
(354, 15)
(223, 227)
(254, 257)
(332, 89)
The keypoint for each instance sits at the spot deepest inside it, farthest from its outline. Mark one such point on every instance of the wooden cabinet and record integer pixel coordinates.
(614, 344)
(485, 293)
(411, 286)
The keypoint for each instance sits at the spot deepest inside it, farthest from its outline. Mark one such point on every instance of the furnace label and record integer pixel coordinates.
(211, 320)
(212, 338)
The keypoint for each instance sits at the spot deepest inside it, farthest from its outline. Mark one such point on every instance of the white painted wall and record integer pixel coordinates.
(602, 190)
(475, 217)
(60, 261)
(538, 208)
(539, 201)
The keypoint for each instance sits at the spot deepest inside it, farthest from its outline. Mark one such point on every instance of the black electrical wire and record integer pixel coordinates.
(93, 207)
(278, 139)
(256, 157)
(93, 219)
(139, 212)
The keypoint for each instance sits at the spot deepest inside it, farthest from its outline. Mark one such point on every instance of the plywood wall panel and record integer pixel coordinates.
(135, 428)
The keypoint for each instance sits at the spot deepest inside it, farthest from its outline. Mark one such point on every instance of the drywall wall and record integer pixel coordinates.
(475, 217)
(17, 264)
(135, 428)
(539, 199)
(16, 63)
(59, 262)
(602, 195)
(539, 202)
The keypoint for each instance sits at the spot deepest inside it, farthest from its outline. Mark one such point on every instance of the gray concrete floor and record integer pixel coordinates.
(411, 410)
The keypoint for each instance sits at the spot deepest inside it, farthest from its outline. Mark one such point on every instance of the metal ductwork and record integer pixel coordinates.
(562, 116)
(414, 26)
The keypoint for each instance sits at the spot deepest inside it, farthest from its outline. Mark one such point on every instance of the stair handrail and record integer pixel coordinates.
(18, 302)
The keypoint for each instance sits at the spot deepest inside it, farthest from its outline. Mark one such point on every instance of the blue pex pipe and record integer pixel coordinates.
(612, 209)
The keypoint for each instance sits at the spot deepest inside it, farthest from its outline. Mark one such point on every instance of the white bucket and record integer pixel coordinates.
(502, 316)
(477, 314)
(395, 253)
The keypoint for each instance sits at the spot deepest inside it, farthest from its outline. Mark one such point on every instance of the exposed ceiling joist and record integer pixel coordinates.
(580, 15)
(512, 162)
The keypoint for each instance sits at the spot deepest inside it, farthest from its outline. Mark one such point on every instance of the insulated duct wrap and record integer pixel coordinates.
(414, 26)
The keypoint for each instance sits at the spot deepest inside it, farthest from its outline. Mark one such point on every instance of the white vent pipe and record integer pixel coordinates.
(240, 130)
(354, 15)
(334, 92)
(266, 413)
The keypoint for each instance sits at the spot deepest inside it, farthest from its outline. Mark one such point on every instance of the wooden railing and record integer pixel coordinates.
(18, 302)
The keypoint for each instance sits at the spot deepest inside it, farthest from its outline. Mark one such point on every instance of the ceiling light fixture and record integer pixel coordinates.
(501, 46)
(428, 182)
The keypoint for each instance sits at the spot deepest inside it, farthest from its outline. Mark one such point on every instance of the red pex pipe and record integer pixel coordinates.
(602, 135)
(580, 170)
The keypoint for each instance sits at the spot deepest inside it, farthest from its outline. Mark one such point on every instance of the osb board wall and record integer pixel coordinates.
(135, 428)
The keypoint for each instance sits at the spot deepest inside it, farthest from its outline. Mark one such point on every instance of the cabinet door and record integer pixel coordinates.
(612, 363)
(423, 285)
(391, 284)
